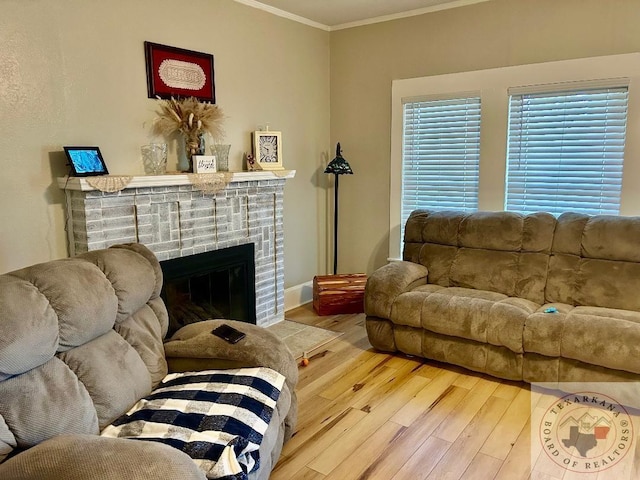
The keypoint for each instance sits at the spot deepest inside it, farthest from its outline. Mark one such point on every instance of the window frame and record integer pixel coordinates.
(493, 85)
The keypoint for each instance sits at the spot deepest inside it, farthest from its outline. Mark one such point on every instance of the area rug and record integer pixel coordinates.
(301, 339)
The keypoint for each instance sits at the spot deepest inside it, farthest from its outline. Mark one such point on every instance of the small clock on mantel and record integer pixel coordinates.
(267, 150)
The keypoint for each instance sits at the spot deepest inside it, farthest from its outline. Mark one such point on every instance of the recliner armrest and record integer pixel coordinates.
(389, 281)
(194, 347)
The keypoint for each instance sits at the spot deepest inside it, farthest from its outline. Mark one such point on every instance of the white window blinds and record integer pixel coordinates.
(440, 156)
(565, 150)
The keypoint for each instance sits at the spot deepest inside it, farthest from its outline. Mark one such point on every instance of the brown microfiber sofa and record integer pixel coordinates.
(81, 341)
(519, 297)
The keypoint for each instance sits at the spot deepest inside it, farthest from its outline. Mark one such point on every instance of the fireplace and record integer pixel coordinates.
(216, 284)
(176, 218)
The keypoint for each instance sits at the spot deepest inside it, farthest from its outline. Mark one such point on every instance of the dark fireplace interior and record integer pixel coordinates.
(217, 284)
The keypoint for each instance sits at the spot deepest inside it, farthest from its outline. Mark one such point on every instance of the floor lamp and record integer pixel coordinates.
(338, 166)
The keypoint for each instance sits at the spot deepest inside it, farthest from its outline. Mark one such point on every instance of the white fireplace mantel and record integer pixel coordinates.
(173, 179)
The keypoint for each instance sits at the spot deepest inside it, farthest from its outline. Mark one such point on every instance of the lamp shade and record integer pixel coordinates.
(339, 166)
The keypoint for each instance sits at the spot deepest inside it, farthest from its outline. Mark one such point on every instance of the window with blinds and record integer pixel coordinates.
(440, 154)
(566, 149)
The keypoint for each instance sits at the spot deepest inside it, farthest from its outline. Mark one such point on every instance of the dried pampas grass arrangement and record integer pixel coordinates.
(190, 117)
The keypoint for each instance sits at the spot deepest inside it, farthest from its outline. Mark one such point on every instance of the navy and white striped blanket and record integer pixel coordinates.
(217, 417)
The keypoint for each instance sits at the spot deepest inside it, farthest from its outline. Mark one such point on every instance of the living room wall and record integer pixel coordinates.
(497, 33)
(72, 72)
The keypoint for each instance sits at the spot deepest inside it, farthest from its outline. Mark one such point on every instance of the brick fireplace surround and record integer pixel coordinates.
(174, 218)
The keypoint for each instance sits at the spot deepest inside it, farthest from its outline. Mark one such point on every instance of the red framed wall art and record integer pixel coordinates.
(176, 72)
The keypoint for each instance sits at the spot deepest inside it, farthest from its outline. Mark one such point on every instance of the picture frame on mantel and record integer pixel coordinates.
(267, 150)
(177, 72)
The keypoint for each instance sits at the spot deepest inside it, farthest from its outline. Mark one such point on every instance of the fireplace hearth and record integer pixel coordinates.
(216, 284)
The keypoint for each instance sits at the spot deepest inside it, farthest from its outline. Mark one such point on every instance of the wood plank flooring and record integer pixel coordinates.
(364, 414)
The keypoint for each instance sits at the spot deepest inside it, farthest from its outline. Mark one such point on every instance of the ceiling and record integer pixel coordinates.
(335, 14)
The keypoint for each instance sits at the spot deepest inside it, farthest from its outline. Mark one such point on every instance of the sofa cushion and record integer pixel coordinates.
(407, 308)
(131, 276)
(46, 401)
(603, 336)
(606, 237)
(29, 327)
(543, 329)
(595, 262)
(478, 315)
(503, 252)
(82, 298)
(432, 226)
(603, 283)
(611, 237)
(474, 315)
(144, 333)
(480, 357)
(112, 372)
(599, 336)
(82, 457)
(438, 259)
(491, 270)
(491, 231)
(217, 417)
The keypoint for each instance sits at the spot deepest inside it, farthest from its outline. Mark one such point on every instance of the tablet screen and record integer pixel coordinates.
(86, 161)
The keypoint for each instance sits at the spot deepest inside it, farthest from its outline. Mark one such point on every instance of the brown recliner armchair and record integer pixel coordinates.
(81, 342)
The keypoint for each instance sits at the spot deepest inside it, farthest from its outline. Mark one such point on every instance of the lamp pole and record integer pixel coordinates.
(335, 226)
(338, 166)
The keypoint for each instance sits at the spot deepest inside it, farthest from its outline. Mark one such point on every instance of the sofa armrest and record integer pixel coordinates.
(389, 281)
(78, 457)
(194, 347)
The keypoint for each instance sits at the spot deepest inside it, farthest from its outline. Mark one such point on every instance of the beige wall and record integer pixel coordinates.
(498, 33)
(72, 73)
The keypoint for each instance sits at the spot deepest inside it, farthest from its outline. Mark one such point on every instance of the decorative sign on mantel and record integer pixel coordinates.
(204, 164)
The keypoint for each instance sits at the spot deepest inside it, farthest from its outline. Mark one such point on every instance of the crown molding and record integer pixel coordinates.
(358, 23)
(409, 13)
(284, 14)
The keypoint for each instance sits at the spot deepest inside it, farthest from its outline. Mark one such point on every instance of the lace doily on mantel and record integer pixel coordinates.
(210, 183)
(109, 183)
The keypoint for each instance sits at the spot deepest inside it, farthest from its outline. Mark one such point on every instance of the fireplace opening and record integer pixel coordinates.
(216, 284)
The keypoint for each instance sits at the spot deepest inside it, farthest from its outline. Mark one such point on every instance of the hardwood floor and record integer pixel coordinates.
(369, 415)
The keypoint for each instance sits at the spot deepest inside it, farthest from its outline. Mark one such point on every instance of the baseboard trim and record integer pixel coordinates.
(298, 295)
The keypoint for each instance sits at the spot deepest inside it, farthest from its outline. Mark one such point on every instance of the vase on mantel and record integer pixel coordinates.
(193, 146)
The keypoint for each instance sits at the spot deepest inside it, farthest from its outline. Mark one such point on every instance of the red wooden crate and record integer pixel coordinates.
(334, 294)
